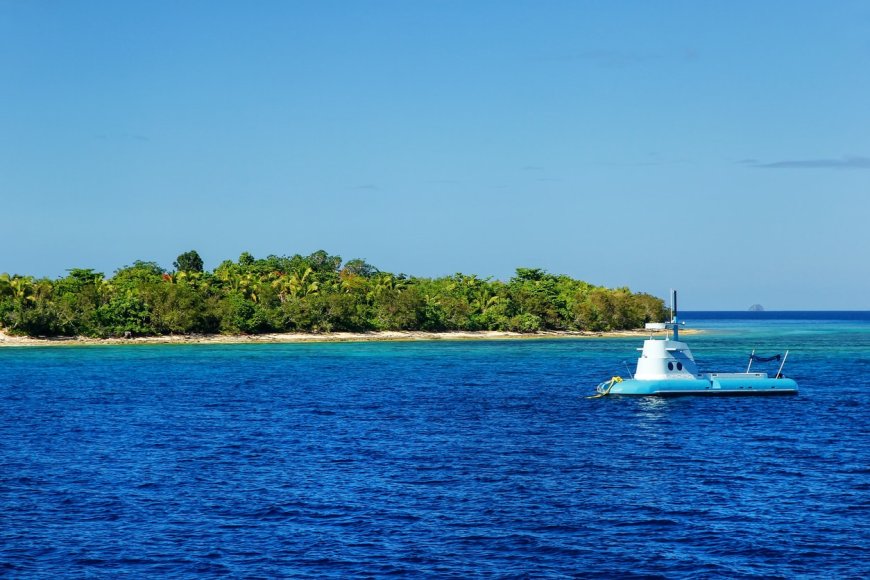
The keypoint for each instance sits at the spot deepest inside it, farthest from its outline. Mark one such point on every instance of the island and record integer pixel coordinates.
(300, 297)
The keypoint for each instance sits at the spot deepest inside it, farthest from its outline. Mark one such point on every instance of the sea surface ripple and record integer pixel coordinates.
(437, 459)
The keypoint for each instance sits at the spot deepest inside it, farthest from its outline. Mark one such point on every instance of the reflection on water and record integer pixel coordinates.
(652, 413)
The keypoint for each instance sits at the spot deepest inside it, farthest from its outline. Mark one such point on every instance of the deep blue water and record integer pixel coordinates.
(706, 315)
(437, 459)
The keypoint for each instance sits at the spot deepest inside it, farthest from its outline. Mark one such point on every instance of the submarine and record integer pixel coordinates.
(667, 368)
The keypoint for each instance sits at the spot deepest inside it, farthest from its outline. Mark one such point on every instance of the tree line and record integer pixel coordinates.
(315, 293)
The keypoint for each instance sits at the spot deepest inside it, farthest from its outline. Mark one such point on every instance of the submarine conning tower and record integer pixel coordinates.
(665, 359)
(668, 358)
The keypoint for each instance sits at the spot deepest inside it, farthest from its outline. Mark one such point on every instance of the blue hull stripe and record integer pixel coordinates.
(724, 386)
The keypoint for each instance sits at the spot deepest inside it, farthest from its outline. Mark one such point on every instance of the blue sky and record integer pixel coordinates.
(722, 148)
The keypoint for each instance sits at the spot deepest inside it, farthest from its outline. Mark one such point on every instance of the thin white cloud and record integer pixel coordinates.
(843, 163)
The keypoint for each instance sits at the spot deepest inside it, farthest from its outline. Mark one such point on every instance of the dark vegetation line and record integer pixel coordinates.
(316, 293)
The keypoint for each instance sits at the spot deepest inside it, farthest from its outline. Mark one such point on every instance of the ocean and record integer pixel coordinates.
(436, 459)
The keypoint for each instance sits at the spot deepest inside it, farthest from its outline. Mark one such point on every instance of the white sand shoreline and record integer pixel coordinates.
(302, 337)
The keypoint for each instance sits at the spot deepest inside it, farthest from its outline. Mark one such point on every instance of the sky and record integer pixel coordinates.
(720, 148)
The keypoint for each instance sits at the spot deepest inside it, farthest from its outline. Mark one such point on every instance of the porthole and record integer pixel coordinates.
(679, 366)
(670, 366)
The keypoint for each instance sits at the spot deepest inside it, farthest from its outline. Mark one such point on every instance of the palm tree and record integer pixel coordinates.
(386, 283)
(483, 299)
(300, 283)
(22, 291)
(5, 286)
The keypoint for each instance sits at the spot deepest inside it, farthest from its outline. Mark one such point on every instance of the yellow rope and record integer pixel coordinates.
(606, 391)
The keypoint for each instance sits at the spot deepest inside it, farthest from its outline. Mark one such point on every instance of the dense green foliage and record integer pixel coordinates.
(315, 293)
(188, 262)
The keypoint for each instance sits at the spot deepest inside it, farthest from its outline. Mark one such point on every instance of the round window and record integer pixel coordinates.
(670, 366)
(679, 366)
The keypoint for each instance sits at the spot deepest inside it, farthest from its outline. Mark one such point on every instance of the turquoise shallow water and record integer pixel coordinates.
(433, 459)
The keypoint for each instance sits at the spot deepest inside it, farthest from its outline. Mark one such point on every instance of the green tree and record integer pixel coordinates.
(125, 313)
(321, 261)
(188, 262)
(357, 267)
(535, 292)
(246, 259)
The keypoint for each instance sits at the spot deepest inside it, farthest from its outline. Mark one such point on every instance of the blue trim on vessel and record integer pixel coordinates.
(675, 387)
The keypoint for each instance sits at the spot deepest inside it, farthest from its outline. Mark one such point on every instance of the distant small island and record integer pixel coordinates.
(318, 293)
(756, 308)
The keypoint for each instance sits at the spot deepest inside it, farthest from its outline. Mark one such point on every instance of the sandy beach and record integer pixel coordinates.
(301, 337)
